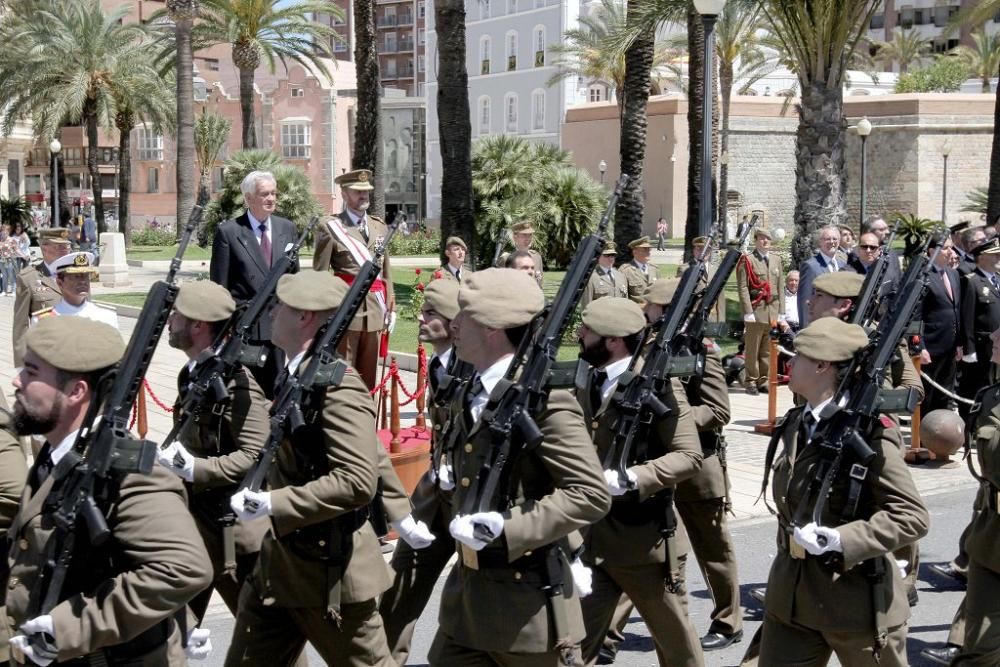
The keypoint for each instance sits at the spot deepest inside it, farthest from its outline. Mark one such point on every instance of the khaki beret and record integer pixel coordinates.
(699, 240)
(830, 339)
(359, 179)
(500, 298)
(523, 227)
(76, 262)
(58, 235)
(991, 247)
(204, 301)
(610, 248)
(442, 297)
(641, 242)
(455, 240)
(613, 317)
(75, 344)
(661, 292)
(762, 231)
(839, 284)
(311, 290)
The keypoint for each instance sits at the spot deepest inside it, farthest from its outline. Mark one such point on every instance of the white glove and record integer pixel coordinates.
(749, 317)
(250, 505)
(199, 646)
(177, 460)
(614, 483)
(391, 324)
(42, 651)
(414, 533)
(446, 480)
(476, 530)
(808, 537)
(970, 358)
(583, 577)
(901, 564)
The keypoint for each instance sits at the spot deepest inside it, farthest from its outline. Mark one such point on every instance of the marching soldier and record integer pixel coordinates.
(610, 334)
(762, 298)
(834, 586)
(639, 273)
(74, 273)
(13, 473)
(343, 245)
(36, 285)
(606, 280)
(509, 599)
(320, 571)
(523, 234)
(980, 318)
(119, 596)
(455, 250)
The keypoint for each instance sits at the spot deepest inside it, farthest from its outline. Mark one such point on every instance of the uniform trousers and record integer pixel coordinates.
(665, 613)
(360, 349)
(942, 370)
(446, 652)
(273, 636)
(793, 645)
(982, 625)
(227, 582)
(705, 521)
(756, 352)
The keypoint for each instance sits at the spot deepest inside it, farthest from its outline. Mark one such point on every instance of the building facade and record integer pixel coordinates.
(930, 18)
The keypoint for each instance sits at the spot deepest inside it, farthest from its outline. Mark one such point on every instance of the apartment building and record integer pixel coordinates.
(930, 18)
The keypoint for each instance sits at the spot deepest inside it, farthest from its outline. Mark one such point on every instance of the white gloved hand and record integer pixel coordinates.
(749, 317)
(808, 537)
(476, 530)
(414, 533)
(178, 460)
(615, 485)
(583, 577)
(42, 651)
(249, 505)
(901, 564)
(446, 479)
(199, 646)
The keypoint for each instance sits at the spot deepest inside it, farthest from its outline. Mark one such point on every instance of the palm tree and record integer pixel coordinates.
(983, 57)
(265, 31)
(367, 152)
(183, 13)
(69, 55)
(906, 48)
(211, 133)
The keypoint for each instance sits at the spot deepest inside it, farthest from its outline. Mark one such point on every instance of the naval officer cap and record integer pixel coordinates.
(442, 297)
(204, 301)
(614, 317)
(75, 344)
(840, 284)
(76, 262)
(500, 298)
(312, 290)
(830, 339)
(661, 292)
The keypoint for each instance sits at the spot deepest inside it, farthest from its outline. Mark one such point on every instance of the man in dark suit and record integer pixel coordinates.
(972, 238)
(824, 261)
(242, 254)
(980, 317)
(941, 318)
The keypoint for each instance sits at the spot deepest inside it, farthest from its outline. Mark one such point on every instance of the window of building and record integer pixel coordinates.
(484, 9)
(511, 42)
(295, 140)
(538, 109)
(539, 4)
(389, 18)
(150, 144)
(877, 22)
(539, 43)
(941, 15)
(906, 18)
(218, 174)
(339, 46)
(75, 157)
(421, 9)
(511, 6)
(211, 64)
(153, 180)
(390, 42)
(74, 181)
(420, 63)
(297, 91)
(485, 46)
(390, 68)
(595, 94)
(422, 37)
(484, 115)
(32, 184)
(510, 113)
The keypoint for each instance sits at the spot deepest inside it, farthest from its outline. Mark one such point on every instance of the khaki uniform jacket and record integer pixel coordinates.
(765, 311)
(445, 273)
(560, 489)
(395, 500)
(36, 289)
(718, 311)
(891, 514)
(612, 283)
(638, 281)
(709, 399)
(159, 563)
(982, 543)
(674, 455)
(328, 470)
(13, 470)
(536, 257)
(226, 446)
(331, 255)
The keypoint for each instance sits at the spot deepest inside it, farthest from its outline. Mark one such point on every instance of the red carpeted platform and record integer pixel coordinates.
(408, 438)
(413, 457)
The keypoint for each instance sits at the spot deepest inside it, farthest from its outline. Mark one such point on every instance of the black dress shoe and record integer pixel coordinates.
(912, 596)
(605, 656)
(948, 570)
(943, 655)
(714, 641)
(758, 593)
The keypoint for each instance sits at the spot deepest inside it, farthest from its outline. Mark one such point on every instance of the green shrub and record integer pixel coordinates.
(427, 242)
(155, 234)
(945, 75)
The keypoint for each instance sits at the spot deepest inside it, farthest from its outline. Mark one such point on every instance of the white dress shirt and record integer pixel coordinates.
(489, 379)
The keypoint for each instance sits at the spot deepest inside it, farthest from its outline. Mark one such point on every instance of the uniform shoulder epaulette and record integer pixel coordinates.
(44, 312)
(376, 218)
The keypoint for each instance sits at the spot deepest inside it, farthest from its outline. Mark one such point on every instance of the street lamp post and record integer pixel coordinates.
(709, 10)
(723, 206)
(602, 167)
(945, 152)
(54, 148)
(864, 128)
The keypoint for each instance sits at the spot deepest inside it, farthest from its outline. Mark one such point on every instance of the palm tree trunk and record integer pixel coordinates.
(204, 189)
(125, 178)
(368, 129)
(90, 114)
(695, 121)
(632, 146)
(993, 196)
(986, 85)
(820, 180)
(454, 126)
(185, 124)
(246, 110)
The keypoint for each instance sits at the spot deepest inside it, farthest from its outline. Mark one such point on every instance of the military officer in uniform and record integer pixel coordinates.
(496, 606)
(320, 569)
(980, 317)
(639, 273)
(119, 597)
(523, 234)
(606, 280)
(718, 313)
(762, 300)
(36, 285)
(834, 586)
(74, 273)
(610, 334)
(13, 473)
(455, 250)
(343, 245)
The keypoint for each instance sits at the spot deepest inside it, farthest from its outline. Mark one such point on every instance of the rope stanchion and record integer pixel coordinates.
(421, 384)
(915, 453)
(395, 443)
(160, 404)
(140, 408)
(950, 394)
(767, 427)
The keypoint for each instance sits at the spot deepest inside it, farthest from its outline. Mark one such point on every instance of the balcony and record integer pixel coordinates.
(401, 46)
(388, 21)
(72, 157)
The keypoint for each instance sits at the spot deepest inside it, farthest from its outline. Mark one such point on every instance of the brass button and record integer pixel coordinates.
(465, 482)
(322, 543)
(468, 447)
(518, 576)
(23, 543)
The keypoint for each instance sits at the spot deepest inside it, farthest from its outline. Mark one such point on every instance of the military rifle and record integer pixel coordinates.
(866, 308)
(502, 238)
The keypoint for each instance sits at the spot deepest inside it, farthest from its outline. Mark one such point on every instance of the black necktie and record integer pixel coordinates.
(597, 380)
(808, 421)
(43, 466)
(434, 370)
(363, 228)
(474, 389)
(995, 282)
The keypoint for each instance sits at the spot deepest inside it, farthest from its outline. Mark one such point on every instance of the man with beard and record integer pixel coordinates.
(36, 285)
(73, 275)
(117, 603)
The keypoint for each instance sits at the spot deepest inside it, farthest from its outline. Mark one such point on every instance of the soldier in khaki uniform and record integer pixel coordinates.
(523, 234)
(320, 570)
(762, 300)
(606, 280)
(36, 285)
(718, 313)
(222, 445)
(834, 587)
(13, 473)
(495, 608)
(455, 250)
(117, 604)
(610, 333)
(343, 244)
(639, 273)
